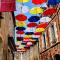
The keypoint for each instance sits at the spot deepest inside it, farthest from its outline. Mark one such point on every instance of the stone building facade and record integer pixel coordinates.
(50, 47)
(6, 30)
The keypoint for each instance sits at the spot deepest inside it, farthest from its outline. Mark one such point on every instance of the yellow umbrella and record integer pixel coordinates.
(36, 10)
(40, 29)
(28, 36)
(22, 1)
(20, 24)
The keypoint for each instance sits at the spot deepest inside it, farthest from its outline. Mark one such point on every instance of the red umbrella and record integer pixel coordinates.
(32, 24)
(49, 11)
(38, 1)
(42, 25)
(20, 32)
(37, 33)
(21, 17)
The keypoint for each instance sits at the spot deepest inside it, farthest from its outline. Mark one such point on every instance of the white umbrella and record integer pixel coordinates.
(45, 19)
(22, 8)
(29, 43)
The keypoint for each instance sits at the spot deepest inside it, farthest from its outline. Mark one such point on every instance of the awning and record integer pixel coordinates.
(7, 5)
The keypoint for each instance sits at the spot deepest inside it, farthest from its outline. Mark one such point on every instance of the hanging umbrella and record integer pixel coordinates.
(22, 1)
(22, 9)
(35, 36)
(49, 11)
(37, 33)
(36, 10)
(21, 17)
(27, 36)
(21, 50)
(45, 19)
(53, 2)
(19, 38)
(20, 28)
(29, 44)
(38, 1)
(23, 43)
(17, 42)
(33, 18)
(42, 25)
(26, 40)
(20, 24)
(40, 29)
(32, 24)
(29, 29)
(29, 33)
(27, 47)
(20, 32)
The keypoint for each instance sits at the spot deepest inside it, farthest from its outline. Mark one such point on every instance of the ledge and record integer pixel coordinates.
(51, 47)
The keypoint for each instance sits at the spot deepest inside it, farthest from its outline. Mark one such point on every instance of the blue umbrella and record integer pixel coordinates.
(20, 28)
(23, 43)
(35, 39)
(33, 18)
(53, 2)
(29, 33)
(19, 38)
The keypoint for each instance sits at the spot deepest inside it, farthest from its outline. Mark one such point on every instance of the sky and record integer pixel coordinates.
(29, 5)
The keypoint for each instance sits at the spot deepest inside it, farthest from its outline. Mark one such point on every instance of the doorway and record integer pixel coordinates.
(57, 57)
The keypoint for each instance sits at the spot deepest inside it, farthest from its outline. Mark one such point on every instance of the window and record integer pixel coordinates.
(1, 49)
(0, 42)
(44, 40)
(0, 18)
(53, 34)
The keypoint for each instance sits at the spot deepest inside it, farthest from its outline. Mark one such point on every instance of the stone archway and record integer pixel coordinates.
(1, 49)
(57, 57)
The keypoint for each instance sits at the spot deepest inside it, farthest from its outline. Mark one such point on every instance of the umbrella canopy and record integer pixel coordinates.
(27, 36)
(45, 19)
(36, 39)
(21, 50)
(38, 1)
(32, 24)
(42, 25)
(29, 44)
(29, 29)
(22, 8)
(36, 10)
(20, 28)
(53, 2)
(40, 29)
(19, 38)
(27, 47)
(22, 1)
(23, 43)
(29, 33)
(21, 17)
(26, 40)
(20, 24)
(49, 11)
(37, 33)
(35, 36)
(20, 32)
(33, 18)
